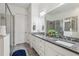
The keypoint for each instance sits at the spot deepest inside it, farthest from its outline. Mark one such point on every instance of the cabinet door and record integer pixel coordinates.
(49, 51)
(42, 46)
(36, 43)
(33, 40)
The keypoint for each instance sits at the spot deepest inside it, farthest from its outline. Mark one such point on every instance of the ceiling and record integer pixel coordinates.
(64, 7)
(47, 6)
(22, 5)
(42, 6)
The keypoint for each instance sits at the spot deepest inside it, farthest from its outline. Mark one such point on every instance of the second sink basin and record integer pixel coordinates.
(65, 43)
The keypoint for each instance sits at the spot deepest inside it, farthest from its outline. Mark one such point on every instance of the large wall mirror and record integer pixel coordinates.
(63, 21)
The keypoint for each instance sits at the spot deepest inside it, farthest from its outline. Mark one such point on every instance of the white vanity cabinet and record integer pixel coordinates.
(56, 50)
(38, 45)
(44, 48)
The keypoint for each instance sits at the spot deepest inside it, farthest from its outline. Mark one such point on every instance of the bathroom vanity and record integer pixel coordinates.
(47, 46)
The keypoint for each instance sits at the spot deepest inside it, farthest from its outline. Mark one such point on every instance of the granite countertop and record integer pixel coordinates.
(74, 48)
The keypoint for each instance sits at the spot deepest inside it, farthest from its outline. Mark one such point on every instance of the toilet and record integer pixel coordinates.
(19, 51)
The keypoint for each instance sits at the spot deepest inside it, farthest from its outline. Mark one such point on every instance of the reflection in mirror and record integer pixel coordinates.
(42, 27)
(67, 26)
(54, 28)
(74, 23)
(34, 27)
(64, 19)
(71, 24)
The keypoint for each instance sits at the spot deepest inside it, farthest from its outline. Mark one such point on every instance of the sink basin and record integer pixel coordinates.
(65, 43)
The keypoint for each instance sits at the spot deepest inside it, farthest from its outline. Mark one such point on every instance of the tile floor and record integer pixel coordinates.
(31, 51)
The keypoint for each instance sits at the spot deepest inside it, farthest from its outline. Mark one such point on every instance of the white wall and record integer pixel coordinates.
(41, 23)
(28, 24)
(34, 16)
(2, 8)
(20, 17)
(2, 14)
(36, 19)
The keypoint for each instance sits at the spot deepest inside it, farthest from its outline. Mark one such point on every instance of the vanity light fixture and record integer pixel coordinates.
(43, 13)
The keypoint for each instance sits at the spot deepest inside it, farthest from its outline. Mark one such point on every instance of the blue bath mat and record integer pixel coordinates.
(20, 52)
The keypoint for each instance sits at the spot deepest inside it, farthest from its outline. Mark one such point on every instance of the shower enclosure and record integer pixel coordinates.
(7, 22)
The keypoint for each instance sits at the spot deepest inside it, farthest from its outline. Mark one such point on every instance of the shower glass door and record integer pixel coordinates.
(9, 25)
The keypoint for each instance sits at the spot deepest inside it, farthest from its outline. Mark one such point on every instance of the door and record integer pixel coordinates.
(19, 29)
